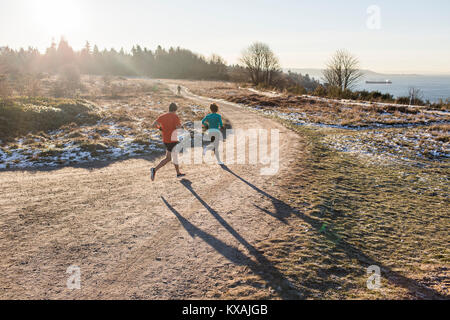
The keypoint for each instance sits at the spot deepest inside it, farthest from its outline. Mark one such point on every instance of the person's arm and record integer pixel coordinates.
(156, 124)
(204, 121)
(179, 125)
(220, 122)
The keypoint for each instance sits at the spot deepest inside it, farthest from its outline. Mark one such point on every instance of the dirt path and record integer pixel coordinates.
(134, 239)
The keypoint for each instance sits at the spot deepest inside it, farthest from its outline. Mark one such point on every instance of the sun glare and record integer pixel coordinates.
(57, 16)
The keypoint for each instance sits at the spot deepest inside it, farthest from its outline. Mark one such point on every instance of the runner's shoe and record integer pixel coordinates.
(153, 174)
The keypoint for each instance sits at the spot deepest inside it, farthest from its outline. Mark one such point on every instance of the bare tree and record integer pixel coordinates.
(342, 70)
(271, 65)
(415, 95)
(261, 63)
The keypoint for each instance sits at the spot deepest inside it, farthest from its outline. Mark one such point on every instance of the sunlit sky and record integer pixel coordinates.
(414, 36)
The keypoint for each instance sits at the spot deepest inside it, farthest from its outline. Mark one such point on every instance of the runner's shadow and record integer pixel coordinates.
(262, 267)
(283, 211)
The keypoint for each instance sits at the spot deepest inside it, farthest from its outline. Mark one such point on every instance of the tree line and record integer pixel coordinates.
(259, 65)
(160, 63)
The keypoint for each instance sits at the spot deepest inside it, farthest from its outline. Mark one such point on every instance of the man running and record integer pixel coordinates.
(179, 90)
(214, 124)
(168, 123)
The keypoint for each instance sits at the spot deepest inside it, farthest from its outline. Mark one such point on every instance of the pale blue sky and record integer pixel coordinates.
(414, 35)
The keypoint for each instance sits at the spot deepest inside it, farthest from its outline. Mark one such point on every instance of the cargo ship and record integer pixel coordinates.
(379, 82)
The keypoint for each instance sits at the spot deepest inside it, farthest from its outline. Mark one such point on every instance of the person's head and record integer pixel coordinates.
(214, 108)
(173, 107)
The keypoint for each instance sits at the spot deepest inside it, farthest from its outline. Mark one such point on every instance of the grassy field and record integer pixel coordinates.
(393, 216)
(417, 145)
(350, 210)
(344, 214)
(353, 199)
(327, 112)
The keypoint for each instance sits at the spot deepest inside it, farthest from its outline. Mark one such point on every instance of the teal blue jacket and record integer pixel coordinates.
(214, 121)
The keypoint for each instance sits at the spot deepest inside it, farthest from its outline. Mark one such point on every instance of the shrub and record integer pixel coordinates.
(299, 90)
(21, 116)
(58, 90)
(33, 86)
(334, 92)
(403, 100)
(68, 83)
(320, 91)
(70, 75)
(93, 148)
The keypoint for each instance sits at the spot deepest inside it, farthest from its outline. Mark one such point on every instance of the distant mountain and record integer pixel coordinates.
(368, 74)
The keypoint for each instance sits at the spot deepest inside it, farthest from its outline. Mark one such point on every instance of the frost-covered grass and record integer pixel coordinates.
(360, 213)
(321, 111)
(122, 127)
(81, 145)
(355, 213)
(383, 132)
(408, 144)
(307, 111)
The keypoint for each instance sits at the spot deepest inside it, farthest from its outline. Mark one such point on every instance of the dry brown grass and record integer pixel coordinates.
(321, 112)
(352, 212)
(355, 214)
(127, 115)
(337, 114)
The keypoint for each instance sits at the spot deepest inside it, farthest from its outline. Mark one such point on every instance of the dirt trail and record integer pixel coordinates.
(134, 239)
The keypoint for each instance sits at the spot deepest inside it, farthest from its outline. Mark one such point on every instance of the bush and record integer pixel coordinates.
(58, 90)
(407, 101)
(33, 86)
(21, 116)
(441, 105)
(68, 83)
(348, 94)
(403, 100)
(298, 90)
(320, 91)
(334, 92)
(70, 75)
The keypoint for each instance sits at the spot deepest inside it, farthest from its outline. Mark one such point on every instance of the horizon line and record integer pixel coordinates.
(284, 69)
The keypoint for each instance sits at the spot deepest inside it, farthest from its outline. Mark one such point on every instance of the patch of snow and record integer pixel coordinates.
(197, 109)
(70, 153)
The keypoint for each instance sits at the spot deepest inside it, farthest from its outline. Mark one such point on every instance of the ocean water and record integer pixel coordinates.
(433, 87)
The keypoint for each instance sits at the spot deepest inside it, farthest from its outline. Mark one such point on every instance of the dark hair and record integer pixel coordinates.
(173, 107)
(214, 108)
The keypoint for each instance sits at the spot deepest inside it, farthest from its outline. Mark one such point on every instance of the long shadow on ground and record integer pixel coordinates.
(263, 266)
(284, 210)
